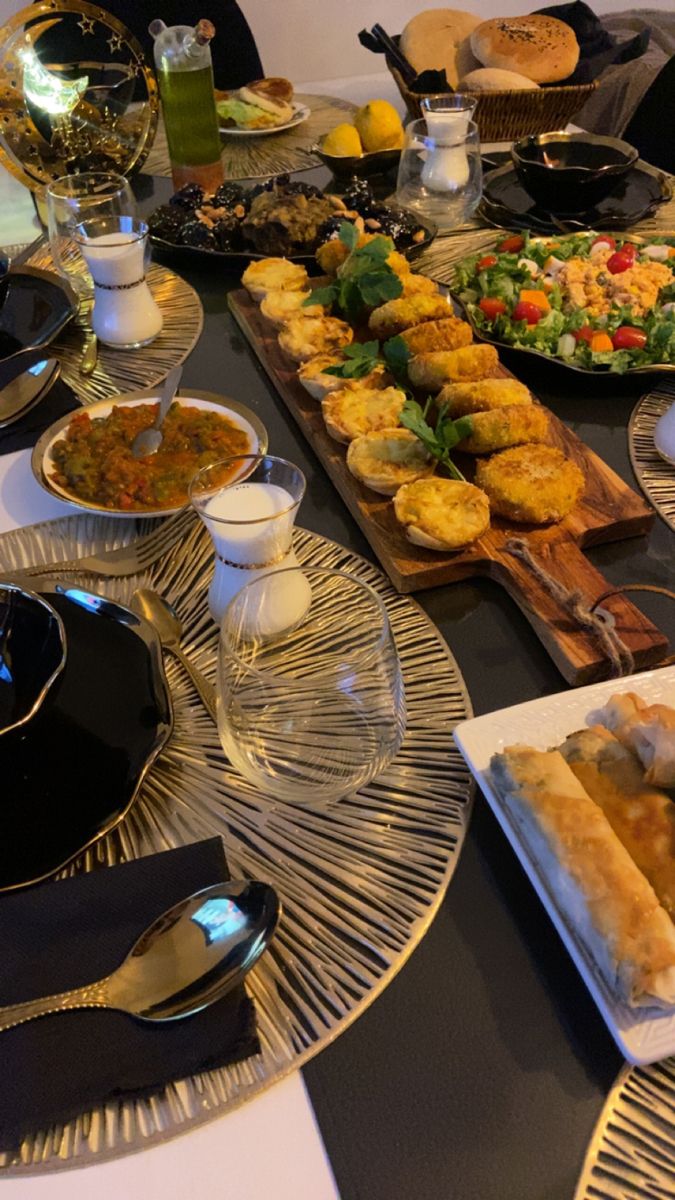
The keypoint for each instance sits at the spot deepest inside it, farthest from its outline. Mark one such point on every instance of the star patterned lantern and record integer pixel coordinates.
(75, 93)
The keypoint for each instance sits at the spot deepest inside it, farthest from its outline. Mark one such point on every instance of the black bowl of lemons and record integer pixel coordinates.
(369, 145)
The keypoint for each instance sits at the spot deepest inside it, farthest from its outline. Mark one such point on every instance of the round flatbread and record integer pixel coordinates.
(438, 39)
(541, 48)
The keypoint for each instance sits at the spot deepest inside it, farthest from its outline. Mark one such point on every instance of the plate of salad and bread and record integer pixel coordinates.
(591, 301)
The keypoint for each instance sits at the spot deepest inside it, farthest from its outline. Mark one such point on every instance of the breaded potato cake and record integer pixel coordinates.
(509, 426)
(273, 275)
(385, 460)
(442, 514)
(396, 315)
(536, 485)
(448, 334)
(433, 370)
(314, 380)
(462, 399)
(305, 337)
(357, 410)
(414, 285)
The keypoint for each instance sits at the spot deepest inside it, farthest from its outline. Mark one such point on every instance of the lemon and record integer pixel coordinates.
(379, 126)
(343, 141)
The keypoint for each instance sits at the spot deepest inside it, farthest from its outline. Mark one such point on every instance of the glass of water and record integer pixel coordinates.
(74, 199)
(440, 174)
(315, 713)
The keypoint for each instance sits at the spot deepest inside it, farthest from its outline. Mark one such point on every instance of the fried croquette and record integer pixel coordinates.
(305, 337)
(414, 285)
(509, 426)
(461, 399)
(442, 514)
(273, 275)
(396, 315)
(448, 334)
(439, 367)
(354, 411)
(533, 484)
(385, 460)
(314, 380)
(279, 307)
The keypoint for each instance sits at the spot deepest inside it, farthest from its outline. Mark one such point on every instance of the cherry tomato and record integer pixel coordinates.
(619, 262)
(490, 260)
(585, 334)
(511, 245)
(630, 249)
(629, 338)
(491, 306)
(604, 237)
(524, 311)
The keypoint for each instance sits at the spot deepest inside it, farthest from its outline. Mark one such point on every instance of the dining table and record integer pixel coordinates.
(480, 1071)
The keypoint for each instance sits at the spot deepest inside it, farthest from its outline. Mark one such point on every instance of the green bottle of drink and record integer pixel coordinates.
(185, 74)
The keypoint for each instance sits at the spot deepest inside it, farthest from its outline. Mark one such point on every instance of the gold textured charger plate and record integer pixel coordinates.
(260, 157)
(359, 883)
(129, 370)
(655, 477)
(631, 1155)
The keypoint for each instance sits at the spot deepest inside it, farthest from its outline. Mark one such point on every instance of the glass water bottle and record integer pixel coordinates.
(185, 74)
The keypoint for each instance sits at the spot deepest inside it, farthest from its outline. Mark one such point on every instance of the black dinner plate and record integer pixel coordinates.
(638, 194)
(34, 307)
(238, 260)
(72, 773)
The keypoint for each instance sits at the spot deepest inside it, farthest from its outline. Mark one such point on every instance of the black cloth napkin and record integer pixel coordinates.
(62, 935)
(60, 399)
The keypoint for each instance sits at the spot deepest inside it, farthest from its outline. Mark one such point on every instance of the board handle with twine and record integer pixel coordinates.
(587, 614)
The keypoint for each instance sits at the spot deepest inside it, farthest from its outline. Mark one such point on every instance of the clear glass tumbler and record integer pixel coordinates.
(74, 199)
(440, 174)
(316, 713)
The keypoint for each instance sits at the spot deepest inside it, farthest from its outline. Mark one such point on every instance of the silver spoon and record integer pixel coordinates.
(166, 623)
(148, 441)
(187, 959)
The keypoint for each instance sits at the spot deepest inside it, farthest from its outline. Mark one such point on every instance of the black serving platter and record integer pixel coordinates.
(634, 197)
(72, 773)
(238, 260)
(35, 305)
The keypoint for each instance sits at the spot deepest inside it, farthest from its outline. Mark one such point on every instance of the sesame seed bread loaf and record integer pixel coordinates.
(541, 48)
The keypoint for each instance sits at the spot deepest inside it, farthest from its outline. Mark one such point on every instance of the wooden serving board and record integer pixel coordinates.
(608, 511)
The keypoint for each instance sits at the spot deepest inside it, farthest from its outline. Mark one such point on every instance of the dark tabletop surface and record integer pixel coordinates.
(480, 1072)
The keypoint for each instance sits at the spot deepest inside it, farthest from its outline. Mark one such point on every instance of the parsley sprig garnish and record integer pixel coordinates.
(364, 280)
(362, 357)
(442, 438)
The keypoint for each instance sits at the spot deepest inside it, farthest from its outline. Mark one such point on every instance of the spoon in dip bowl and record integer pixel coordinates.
(166, 623)
(148, 441)
(188, 958)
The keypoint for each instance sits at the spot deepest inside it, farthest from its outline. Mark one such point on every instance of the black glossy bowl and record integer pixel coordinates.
(32, 654)
(571, 172)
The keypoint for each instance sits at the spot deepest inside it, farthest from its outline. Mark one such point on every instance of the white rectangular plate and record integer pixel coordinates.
(642, 1035)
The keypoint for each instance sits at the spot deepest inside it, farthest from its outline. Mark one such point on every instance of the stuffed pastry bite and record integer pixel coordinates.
(642, 817)
(305, 337)
(442, 514)
(278, 307)
(535, 485)
(448, 334)
(513, 425)
(439, 367)
(313, 377)
(273, 275)
(647, 729)
(416, 285)
(462, 399)
(404, 312)
(600, 892)
(354, 411)
(385, 460)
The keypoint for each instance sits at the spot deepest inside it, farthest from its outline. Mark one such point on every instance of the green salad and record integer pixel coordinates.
(589, 299)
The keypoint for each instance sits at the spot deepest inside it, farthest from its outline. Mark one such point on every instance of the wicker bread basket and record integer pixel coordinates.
(505, 116)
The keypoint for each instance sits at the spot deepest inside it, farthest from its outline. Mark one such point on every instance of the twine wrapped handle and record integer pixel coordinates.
(577, 606)
(638, 587)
